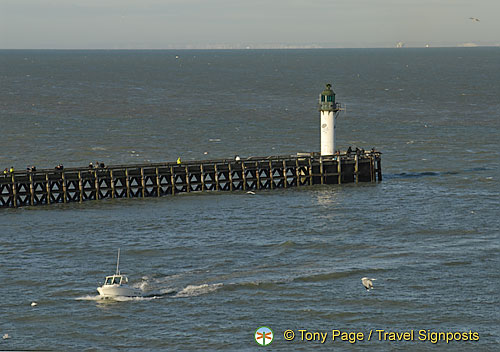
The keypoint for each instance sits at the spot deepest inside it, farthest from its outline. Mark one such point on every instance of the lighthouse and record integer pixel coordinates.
(329, 111)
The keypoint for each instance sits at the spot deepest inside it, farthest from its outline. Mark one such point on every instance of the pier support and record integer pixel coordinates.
(379, 169)
(165, 179)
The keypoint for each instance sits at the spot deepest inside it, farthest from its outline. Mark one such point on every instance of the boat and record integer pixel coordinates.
(117, 285)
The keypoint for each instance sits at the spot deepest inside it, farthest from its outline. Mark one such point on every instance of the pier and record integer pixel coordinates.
(76, 185)
(330, 166)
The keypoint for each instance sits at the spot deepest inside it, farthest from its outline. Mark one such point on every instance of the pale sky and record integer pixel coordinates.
(164, 24)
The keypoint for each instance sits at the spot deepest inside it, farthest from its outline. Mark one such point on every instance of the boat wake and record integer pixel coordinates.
(197, 290)
(170, 286)
(99, 298)
(188, 291)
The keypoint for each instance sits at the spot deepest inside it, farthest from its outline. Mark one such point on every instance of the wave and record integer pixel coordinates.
(289, 244)
(457, 263)
(335, 275)
(89, 298)
(433, 173)
(323, 277)
(419, 174)
(101, 299)
(197, 290)
(257, 285)
(285, 244)
(161, 293)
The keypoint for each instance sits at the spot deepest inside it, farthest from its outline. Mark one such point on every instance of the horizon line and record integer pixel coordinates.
(464, 45)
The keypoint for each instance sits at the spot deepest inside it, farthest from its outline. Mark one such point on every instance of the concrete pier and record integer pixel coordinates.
(50, 186)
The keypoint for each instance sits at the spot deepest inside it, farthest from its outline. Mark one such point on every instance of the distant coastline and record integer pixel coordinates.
(264, 47)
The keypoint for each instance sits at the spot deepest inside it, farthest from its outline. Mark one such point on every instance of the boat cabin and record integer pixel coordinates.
(116, 280)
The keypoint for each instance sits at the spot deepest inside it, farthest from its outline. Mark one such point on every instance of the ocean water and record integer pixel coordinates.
(215, 267)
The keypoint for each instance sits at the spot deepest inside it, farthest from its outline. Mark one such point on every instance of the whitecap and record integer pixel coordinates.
(197, 290)
(89, 298)
(143, 285)
(133, 299)
(101, 299)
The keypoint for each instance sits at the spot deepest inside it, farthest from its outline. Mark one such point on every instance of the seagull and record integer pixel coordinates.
(5, 336)
(367, 283)
(474, 19)
(34, 304)
(250, 192)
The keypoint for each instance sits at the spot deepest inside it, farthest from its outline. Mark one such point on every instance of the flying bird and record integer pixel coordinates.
(34, 304)
(367, 283)
(474, 19)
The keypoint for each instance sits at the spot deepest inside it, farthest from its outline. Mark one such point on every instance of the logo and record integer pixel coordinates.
(264, 336)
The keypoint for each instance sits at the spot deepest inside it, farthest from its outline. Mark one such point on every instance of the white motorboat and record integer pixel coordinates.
(117, 285)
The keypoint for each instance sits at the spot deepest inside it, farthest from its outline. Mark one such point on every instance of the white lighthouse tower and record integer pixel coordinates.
(329, 111)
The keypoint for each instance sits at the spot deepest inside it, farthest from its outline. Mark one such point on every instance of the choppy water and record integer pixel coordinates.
(218, 266)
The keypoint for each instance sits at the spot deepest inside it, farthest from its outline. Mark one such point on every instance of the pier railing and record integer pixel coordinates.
(49, 186)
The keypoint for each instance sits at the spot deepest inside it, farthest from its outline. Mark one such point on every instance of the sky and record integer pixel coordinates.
(169, 24)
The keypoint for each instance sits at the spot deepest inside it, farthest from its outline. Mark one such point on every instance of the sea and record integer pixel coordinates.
(215, 268)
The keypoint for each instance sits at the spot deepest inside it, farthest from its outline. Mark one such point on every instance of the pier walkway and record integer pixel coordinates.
(49, 186)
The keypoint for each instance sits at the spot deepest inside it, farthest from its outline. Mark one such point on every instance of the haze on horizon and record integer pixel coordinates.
(172, 24)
